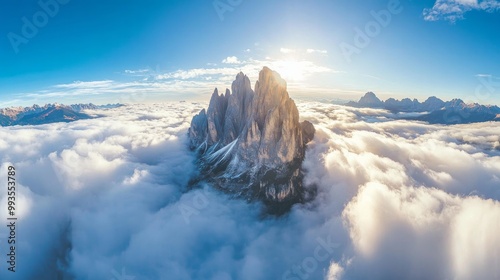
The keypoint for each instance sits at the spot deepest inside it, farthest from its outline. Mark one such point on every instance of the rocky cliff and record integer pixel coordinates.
(251, 143)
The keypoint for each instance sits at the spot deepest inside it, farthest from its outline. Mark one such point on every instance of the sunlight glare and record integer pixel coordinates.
(291, 70)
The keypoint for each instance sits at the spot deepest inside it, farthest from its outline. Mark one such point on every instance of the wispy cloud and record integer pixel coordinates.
(90, 85)
(317, 51)
(453, 10)
(116, 91)
(296, 71)
(196, 73)
(303, 51)
(139, 71)
(155, 83)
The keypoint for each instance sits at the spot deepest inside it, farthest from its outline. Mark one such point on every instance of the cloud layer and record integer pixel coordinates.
(107, 198)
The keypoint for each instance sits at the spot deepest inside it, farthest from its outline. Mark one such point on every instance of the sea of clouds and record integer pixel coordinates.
(107, 198)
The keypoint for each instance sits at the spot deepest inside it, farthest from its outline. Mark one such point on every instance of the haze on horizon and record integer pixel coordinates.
(107, 52)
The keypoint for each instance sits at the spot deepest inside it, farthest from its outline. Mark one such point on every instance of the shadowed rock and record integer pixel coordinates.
(252, 143)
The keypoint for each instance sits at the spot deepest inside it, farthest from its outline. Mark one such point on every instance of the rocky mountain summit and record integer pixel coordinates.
(251, 143)
(368, 100)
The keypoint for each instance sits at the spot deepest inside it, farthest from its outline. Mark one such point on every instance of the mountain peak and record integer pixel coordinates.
(252, 143)
(370, 100)
(457, 101)
(241, 84)
(269, 78)
(433, 98)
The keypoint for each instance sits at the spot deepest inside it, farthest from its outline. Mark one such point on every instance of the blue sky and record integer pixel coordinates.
(140, 51)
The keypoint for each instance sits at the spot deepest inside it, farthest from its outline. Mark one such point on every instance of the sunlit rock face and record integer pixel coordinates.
(251, 143)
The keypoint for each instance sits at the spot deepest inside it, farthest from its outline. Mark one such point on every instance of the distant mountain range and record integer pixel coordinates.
(50, 113)
(434, 110)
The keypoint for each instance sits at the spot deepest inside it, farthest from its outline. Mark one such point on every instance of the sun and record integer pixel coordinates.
(290, 70)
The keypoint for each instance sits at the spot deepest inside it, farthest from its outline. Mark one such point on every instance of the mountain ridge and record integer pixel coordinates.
(436, 111)
(49, 113)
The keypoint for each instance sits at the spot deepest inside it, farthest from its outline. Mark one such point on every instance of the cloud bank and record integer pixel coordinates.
(107, 198)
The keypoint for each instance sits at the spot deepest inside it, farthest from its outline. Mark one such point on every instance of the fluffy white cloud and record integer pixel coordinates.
(412, 192)
(453, 10)
(231, 60)
(287, 51)
(396, 200)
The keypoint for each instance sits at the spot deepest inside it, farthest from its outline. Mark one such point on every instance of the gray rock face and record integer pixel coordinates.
(252, 143)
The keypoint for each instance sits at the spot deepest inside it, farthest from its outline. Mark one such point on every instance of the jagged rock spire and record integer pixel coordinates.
(252, 142)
